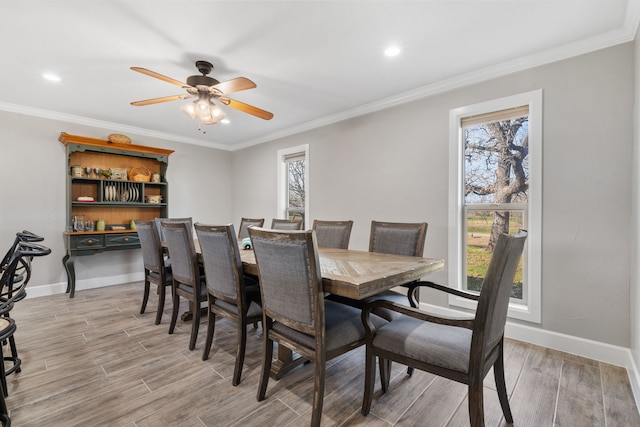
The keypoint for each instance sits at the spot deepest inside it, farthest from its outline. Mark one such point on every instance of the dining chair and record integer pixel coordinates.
(158, 221)
(12, 289)
(333, 234)
(245, 223)
(230, 293)
(396, 238)
(156, 270)
(286, 224)
(295, 312)
(462, 350)
(187, 280)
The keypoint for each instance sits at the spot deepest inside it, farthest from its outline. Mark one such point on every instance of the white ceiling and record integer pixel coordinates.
(314, 62)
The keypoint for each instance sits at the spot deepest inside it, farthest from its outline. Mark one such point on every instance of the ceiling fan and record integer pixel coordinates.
(206, 89)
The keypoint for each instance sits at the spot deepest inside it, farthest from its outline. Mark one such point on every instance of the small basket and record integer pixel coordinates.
(117, 138)
(140, 174)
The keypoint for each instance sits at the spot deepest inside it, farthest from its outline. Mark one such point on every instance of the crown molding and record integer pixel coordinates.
(102, 124)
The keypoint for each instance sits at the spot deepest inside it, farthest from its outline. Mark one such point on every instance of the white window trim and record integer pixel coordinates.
(282, 179)
(531, 311)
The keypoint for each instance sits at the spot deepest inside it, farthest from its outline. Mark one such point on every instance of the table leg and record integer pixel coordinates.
(67, 262)
(285, 362)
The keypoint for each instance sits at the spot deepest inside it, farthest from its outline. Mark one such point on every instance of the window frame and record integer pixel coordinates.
(530, 309)
(283, 189)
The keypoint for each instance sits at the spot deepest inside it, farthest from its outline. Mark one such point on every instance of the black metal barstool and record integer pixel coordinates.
(12, 289)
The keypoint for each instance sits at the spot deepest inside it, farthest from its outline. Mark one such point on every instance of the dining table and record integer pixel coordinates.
(349, 273)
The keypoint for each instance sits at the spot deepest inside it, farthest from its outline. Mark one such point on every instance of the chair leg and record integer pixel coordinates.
(174, 313)
(211, 324)
(476, 405)
(242, 344)
(162, 290)
(14, 355)
(145, 296)
(501, 387)
(3, 374)
(369, 380)
(267, 355)
(385, 373)
(318, 391)
(195, 308)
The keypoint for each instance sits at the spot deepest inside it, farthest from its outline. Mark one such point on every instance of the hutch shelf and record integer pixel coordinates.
(110, 205)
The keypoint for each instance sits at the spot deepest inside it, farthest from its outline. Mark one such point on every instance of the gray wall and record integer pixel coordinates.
(635, 216)
(393, 165)
(33, 175)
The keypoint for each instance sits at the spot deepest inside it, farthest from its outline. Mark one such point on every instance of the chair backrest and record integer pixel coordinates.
(159, 220)
(182, 251)
(245, 223)
(286, 224)
(398, 238)
(151, 245)
(493, 303)
(222, 262)
(12, 284)
(333, 234)
(21, 236)
(290, 279)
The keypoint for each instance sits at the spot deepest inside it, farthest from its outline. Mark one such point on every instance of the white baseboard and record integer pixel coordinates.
(603, 352)
(61, 287)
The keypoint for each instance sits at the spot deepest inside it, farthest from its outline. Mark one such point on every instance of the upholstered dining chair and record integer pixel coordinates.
(187, 280)
(286, 224)
(158, 221)
(245, 223)
(461, 350)
(230, 293)
(333, 234)
(397, 238)
(295, 312)
(156, 270)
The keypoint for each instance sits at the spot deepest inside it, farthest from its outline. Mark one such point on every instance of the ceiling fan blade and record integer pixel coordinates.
(159, 76)
(246, 108)
(233, 85)
(159, 100)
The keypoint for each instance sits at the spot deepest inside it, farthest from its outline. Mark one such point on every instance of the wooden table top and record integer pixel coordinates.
(357, 274)
(361, 274)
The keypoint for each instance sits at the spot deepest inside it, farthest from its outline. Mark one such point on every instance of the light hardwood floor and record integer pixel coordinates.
(95, 361)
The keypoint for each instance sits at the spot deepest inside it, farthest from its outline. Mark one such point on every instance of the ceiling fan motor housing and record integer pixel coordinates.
(203, 80)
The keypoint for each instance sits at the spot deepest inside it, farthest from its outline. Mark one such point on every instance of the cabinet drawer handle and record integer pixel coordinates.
(90, 242)
(126, 239)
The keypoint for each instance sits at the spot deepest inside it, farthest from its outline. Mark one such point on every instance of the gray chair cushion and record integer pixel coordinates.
(343, 325)
(254, 309)
(433, 343)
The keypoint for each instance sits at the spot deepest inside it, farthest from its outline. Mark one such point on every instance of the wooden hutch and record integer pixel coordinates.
(112, 203)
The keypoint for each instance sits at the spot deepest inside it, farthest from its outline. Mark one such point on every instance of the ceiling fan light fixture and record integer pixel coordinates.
(189, 109)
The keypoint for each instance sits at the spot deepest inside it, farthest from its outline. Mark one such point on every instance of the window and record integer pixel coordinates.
(495, 187)
(293, 182)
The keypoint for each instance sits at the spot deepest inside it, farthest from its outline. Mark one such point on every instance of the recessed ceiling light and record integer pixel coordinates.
(51, 77)
(392, 51)
(225, 121)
